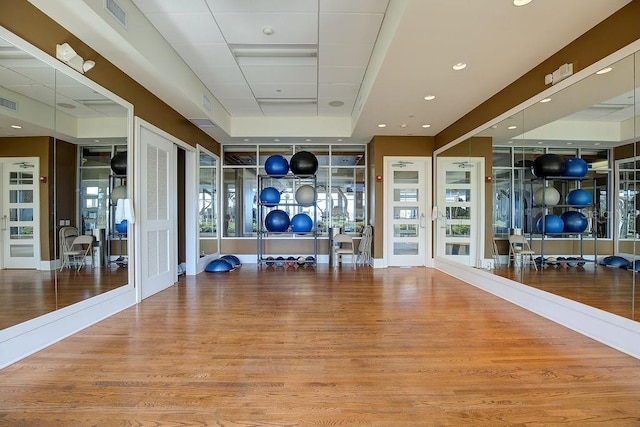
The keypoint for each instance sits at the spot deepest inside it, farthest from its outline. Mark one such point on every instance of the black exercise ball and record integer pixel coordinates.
(548, 165)
(119, 163)
(303, 163)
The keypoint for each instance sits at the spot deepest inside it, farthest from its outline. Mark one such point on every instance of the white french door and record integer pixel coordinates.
(157, 210)
(407, 189)
(459, 209)
(20, 212)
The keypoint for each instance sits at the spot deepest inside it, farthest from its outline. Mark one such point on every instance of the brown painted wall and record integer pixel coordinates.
(614, 33)
(380, 147)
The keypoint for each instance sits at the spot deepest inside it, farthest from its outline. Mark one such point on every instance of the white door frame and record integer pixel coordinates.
(191, 225)
(477, 236)
(424, 214)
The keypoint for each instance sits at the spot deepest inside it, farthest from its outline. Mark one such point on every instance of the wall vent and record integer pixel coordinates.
(203, 123)
(117, 11)
(9, 104)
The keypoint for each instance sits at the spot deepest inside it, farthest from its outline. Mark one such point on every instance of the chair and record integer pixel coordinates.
(520, 251)
(66, 236)
(496, 255)
(364, 248)
(343, 246)
(81, 247)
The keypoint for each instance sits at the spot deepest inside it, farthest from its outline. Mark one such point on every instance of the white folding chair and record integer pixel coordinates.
(364, 248)
(520, 253)
(343, 246)
(66, 236)
(81, 247)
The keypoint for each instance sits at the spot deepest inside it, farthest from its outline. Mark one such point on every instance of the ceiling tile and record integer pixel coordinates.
(232, 91)
(346, 55)
(294, 110)
(274, 6)
(341, 74)
(246, 28)
(207, 55)
(216, 76)
(353, 6)
(170, 6)
(337, 91)
(280, 75)
(187, 28)
(285, 90)
(349, 27)
(241, 106)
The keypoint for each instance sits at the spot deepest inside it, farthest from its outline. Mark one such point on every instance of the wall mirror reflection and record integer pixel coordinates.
(595, 120)
(208, 203)
(57, 139)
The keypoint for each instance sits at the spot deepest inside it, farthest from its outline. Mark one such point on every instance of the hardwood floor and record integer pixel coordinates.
(26, 294)
(383, 347)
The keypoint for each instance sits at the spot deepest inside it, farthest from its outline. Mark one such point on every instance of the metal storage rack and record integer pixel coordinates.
(112, 234)
(292, 183)
(546, 209)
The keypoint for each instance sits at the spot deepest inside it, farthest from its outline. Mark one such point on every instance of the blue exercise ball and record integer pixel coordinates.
(218, 266)
(574, 222)
(270, 196)
(232, 259)
(277, 221)
(615, 261)
(550, 224)
(276, 166)
(575, 167)
(301, 223)
(579, 198)
(548, 165)
(303, 163)
(122, 226)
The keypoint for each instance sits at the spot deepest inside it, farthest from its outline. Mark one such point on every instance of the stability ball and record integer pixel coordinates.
(575, 167)
(276, 166)
(306, 195)
(270, 196)
(122, 226)
(218, 266)
(547, 196)
(119, 163)
(579, 198)
(548, 165)
(301, 223)
(303, 163)
(277, 221)
(232, 259)
(550, 224)
(119, 192)
(574, 222)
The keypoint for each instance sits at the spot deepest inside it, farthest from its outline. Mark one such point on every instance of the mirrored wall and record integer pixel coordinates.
(47, 118)
(597, 120)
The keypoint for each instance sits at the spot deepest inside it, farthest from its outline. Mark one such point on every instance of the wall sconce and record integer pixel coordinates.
(66, 54)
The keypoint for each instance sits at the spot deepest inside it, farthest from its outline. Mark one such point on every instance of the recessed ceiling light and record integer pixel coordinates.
(521, 2)
(339, 139)
(597, 143)
(494, 127)
(569, 143)
(276, 140)
(429, 97)
(512, 127)
(247, 140)
(604, 70)
(540, 142)
(336, 103)
(16, 126)
(404, 125)
(510, 142)
(426, 126)
(460, 66)
(308, 140)
(382, 125)
(544, 101)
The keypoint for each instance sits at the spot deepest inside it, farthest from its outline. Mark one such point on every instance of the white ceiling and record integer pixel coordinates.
(376, 59)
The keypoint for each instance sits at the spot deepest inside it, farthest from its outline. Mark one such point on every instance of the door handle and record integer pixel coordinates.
(4, 222)
(422, 220)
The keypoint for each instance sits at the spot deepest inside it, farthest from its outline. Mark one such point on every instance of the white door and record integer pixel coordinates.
(20, 212)
(459, 197)
(407, 189)
(158, 211)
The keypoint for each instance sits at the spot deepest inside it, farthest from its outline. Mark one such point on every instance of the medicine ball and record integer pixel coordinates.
(575, 167)
(276, 166)
(548, 165)
(303, 163)
(119, 163)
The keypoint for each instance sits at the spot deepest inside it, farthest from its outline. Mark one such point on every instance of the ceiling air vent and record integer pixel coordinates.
(117, 11)
(9, 104)
(203, 123)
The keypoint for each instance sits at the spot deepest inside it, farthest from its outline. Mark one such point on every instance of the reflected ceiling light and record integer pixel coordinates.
(426, 126)
(521, 2)
(512, 127)
(604, 70)
(430, 97)
(569, 143)
(16, 126)
(459, 66)
(544, 101)
(66, 54)
(382, 125)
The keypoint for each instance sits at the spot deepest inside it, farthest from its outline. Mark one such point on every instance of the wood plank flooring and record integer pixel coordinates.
(343, 347)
